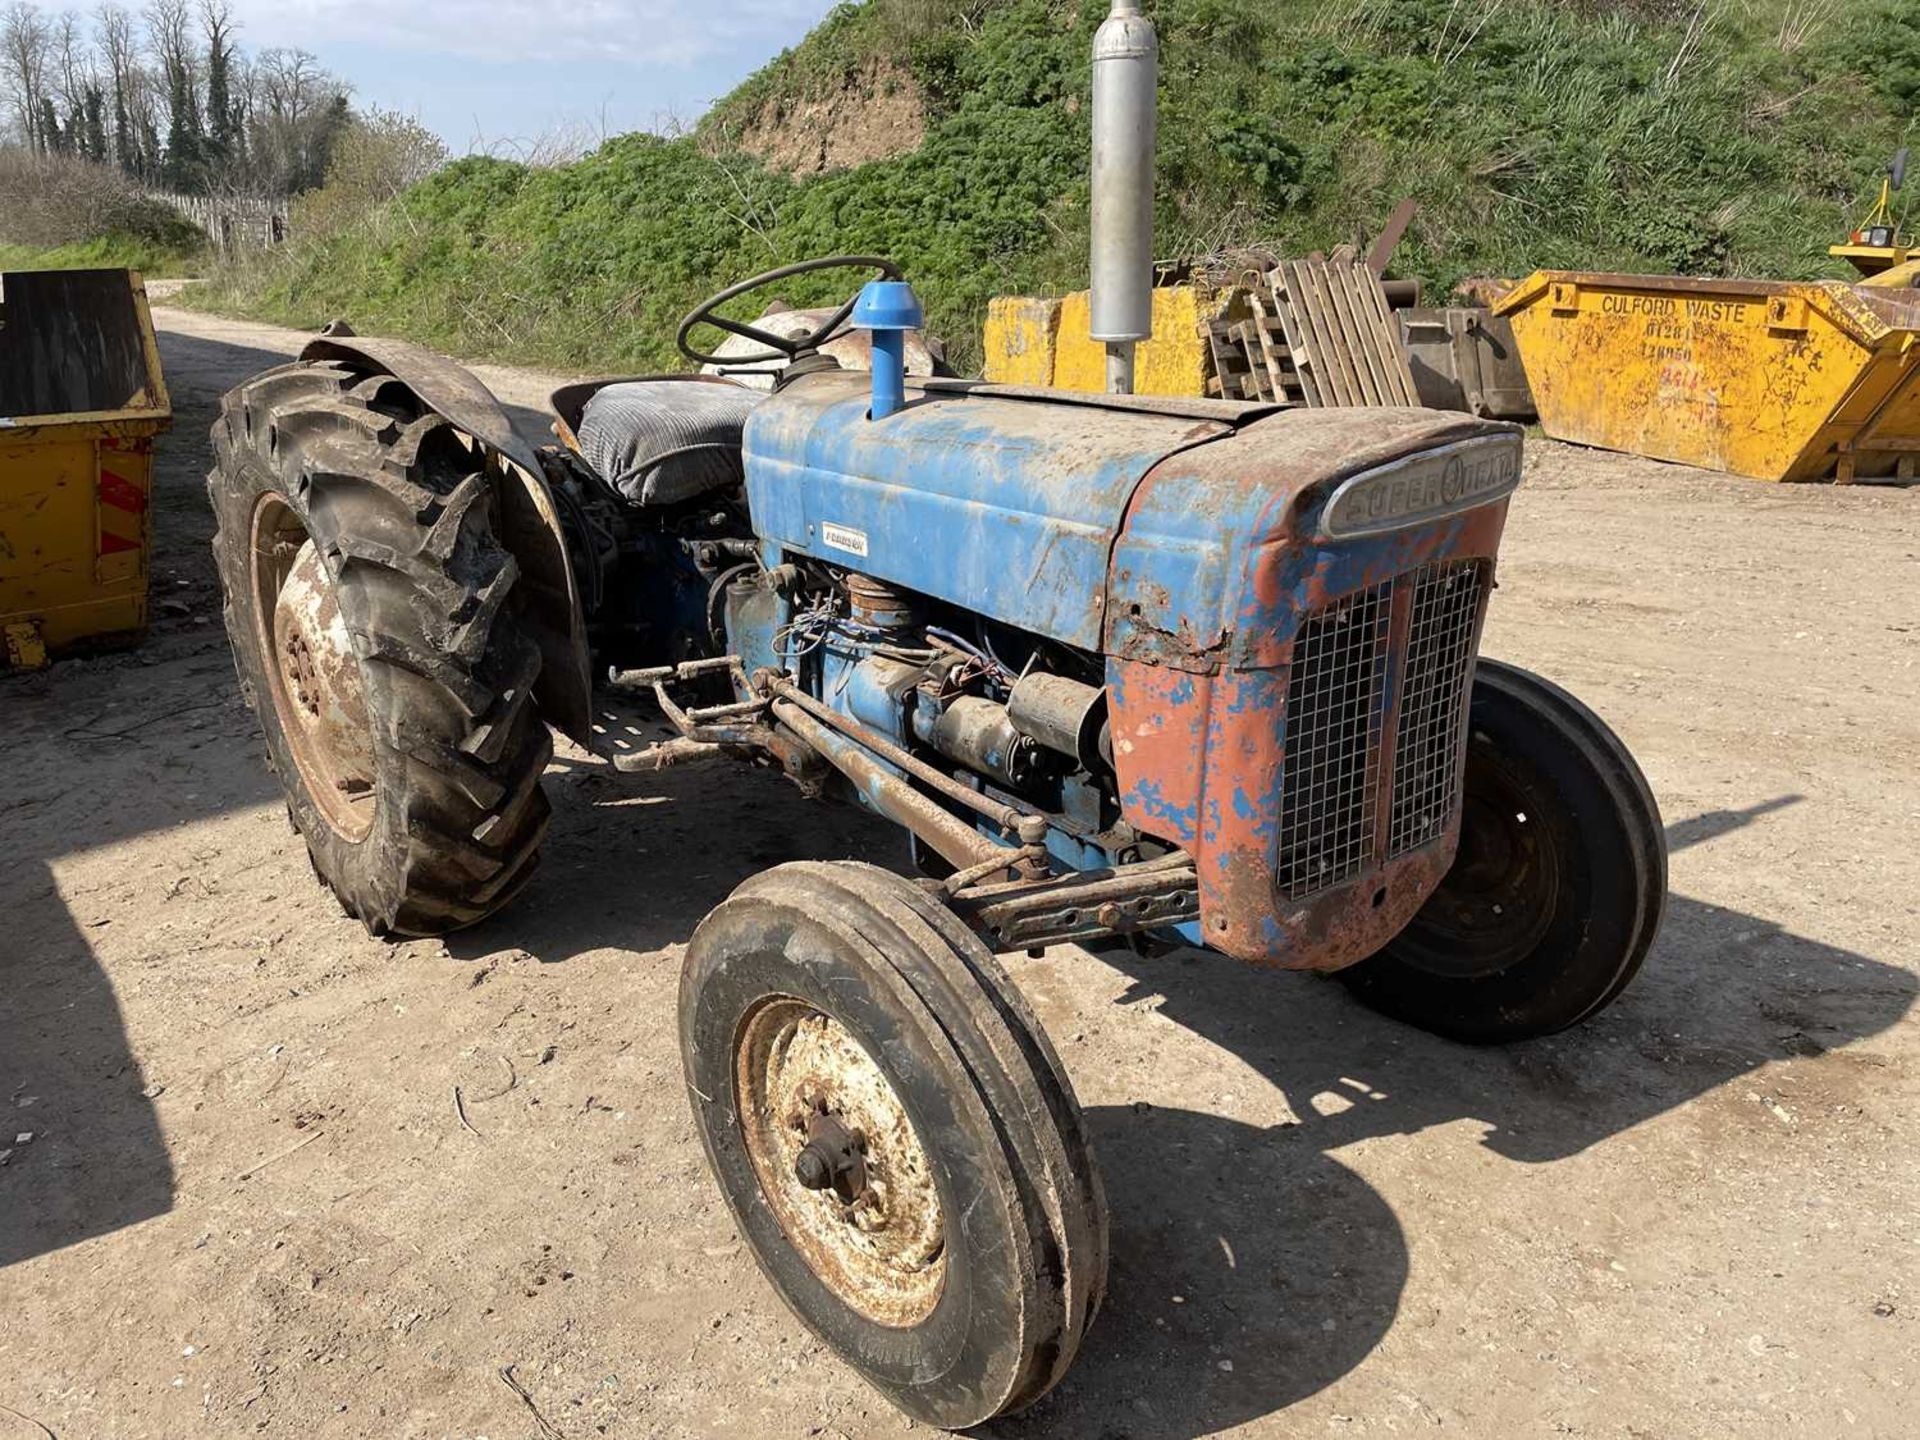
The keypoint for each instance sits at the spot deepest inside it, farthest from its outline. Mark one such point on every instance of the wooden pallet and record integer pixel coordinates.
(1320, 335)
(1251, 362)
(1344, 344)
(1232, 377)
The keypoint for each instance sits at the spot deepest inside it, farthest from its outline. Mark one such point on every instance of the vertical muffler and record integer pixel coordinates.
(1126, 71)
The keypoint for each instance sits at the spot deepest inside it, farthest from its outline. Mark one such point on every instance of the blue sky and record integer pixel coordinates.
(499, 74)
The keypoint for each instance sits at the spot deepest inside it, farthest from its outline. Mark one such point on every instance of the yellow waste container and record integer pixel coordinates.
(81, 400)
(1778, 380)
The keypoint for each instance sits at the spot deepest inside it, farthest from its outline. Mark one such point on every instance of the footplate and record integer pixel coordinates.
(704, 731)
(629, 735)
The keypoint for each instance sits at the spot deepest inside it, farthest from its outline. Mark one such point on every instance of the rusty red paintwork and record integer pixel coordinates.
(1201, 640)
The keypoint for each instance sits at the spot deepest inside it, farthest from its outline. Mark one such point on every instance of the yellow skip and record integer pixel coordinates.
(1775, 380)
(76, 458)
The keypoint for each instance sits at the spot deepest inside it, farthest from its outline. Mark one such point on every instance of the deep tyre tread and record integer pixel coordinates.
(397, 507)
(1595, 808)
(1025, 1216)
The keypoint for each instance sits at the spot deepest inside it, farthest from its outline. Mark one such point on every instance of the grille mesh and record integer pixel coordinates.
(1433, 700)
(1333, 718)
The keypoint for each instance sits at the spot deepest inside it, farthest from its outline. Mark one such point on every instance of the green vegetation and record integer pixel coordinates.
(153, 259)
(1698, 136)
(60, 212)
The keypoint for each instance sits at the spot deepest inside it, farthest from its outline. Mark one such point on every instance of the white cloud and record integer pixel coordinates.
(674, 33)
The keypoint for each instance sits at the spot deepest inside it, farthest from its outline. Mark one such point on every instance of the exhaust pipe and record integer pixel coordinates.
(1126, 70)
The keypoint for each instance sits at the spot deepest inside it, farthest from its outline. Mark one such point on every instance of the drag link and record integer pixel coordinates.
(1028, 824)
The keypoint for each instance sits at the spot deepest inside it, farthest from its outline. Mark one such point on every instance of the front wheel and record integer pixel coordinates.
(1558, 886)
(894, 1137)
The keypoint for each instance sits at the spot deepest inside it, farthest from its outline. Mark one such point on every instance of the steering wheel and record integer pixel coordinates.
(777, 348)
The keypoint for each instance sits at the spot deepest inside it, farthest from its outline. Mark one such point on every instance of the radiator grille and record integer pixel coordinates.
(1336, 702)
(1333, 718)
(1433, 700)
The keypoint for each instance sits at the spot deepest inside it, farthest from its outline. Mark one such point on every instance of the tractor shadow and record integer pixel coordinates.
(633, 862)
(100, 750)
(1291, 1267)
(1249, 1272)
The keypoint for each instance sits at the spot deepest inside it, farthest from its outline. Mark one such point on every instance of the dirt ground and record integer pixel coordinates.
(248, 1203)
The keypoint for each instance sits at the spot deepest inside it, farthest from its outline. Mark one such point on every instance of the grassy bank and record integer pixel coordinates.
(153, 259)
(63, 212)
(1738, 136)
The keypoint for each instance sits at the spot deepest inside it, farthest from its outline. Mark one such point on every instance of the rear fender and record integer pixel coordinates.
(529, 520)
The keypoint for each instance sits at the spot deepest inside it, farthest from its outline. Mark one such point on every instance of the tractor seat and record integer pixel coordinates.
(659, 442)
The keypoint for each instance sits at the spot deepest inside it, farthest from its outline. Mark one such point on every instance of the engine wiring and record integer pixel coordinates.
(819, 620)
(807, 631)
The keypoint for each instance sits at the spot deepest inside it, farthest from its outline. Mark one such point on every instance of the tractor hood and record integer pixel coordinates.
(1030, 506)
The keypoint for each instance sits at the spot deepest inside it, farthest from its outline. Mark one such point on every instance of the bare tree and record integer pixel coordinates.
(113, 29)
(24, 44)
(301, 109)
(167, 94)
(74, 72)
(291, 84)
(73, 64)
(170, 37)
(170, 34)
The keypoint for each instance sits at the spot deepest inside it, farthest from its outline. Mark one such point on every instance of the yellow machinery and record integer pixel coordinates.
(1904, 276)
(1878, 245)
(81, 400)
(1770, 379)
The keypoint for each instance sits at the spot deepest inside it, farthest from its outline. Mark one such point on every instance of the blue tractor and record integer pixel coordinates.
(1128, 671)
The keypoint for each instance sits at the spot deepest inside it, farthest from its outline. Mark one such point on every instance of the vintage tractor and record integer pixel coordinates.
(1128, 671)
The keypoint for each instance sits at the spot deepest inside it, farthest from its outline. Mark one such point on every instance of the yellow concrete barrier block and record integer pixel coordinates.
(1032, 341)
(1021, 334)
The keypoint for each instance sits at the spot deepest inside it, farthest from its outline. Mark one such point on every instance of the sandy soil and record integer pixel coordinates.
(875, 114)
(248, 1204)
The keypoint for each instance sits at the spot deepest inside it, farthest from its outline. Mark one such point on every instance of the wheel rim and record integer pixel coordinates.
(311, 671)
(1495, 904)
(839, 1163)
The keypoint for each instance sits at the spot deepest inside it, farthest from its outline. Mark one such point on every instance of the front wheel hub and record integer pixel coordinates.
(1496, 902)
(839, 1162)
(832, 1159)
(313, 673)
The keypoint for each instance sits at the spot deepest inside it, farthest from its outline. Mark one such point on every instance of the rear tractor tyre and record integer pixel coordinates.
(374, 625)
(1557, 889)
(894, 1137)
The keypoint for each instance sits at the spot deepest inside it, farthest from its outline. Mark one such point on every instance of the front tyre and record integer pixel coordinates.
(376, 631)
(1557, 889)
(894, 1138)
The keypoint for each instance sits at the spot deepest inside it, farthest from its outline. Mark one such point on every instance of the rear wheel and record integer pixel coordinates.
(894, 1137)
(371, 611)
(1558, 886)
